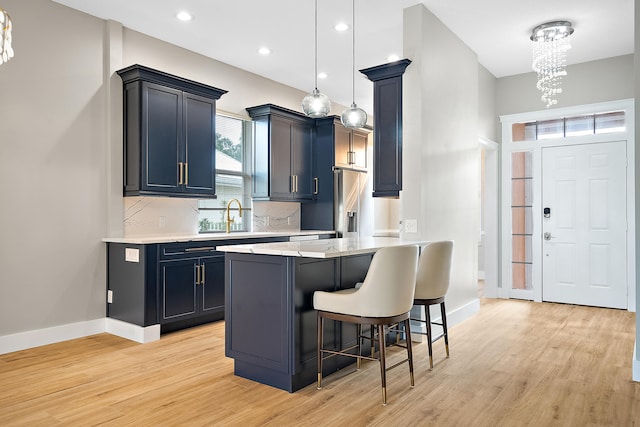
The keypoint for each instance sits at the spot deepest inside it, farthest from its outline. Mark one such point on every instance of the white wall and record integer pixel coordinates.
(441, 158)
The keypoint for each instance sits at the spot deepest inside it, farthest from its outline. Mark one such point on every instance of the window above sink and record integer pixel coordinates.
(233, 180)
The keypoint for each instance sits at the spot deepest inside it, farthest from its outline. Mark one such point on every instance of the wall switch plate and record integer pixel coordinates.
(411, 225)
(109, 296)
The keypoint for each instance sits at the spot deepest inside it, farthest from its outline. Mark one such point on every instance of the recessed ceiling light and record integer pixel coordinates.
(393, 58)
(184, 16)
(341, 26)
(322, 75)
(264, 51)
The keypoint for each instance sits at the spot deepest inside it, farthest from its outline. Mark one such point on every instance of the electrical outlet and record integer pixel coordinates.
(411, 225)
(109, 296)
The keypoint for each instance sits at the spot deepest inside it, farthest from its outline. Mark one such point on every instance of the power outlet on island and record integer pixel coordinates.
(410, 225)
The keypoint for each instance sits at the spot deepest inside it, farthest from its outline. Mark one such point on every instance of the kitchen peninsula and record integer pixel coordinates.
(163, 283)
(270, 328)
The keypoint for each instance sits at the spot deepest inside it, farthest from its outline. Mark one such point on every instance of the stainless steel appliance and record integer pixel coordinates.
(350, 188)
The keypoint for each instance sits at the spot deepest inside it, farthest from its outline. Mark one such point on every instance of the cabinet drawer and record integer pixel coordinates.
(169, 251)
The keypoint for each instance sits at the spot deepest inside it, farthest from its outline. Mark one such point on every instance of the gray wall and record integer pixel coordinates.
(608, 79)
(52, 150)
(61, 153)
(441, 158)
(487, 118)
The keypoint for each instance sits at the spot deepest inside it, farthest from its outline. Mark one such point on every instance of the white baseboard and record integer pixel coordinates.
(635, 365)
(39, 337)
(481, 275)
(454, 317)
(132, 332)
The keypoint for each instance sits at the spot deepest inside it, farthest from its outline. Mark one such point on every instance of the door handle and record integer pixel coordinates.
(315, 181)
(548, 236)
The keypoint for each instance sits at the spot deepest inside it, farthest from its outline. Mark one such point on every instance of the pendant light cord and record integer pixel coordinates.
(315, 63)
(353, 46)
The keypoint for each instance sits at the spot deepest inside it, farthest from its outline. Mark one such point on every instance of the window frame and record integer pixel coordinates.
(245, 174)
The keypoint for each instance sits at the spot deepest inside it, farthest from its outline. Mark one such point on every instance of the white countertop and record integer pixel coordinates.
(326, 248)
(144, 240)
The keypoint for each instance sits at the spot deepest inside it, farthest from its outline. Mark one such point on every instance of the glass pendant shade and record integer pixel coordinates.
(316, 104)
(354, 117)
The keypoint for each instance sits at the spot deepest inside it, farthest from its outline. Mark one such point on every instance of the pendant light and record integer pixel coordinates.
(316, 104)
(353, 117)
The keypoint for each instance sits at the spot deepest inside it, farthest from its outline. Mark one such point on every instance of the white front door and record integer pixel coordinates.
(584, 225)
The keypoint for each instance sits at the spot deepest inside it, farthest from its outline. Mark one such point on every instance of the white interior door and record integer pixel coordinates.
(584, 231)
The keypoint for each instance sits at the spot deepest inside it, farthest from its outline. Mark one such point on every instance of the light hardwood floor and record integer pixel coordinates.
(516, 363)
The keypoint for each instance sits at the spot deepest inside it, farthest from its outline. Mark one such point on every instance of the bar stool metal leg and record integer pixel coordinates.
(320, 321)
(444, 327)
(427, 315)
(383, 366)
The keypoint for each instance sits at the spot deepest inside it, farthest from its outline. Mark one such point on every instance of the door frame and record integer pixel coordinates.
(508, 146)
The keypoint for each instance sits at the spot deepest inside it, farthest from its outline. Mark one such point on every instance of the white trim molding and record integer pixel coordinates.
(40, 337)
(132, 332)
(454, 317)
(70, 331)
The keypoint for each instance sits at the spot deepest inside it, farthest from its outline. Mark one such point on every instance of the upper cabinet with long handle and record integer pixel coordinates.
(169, 134)
(282, 154)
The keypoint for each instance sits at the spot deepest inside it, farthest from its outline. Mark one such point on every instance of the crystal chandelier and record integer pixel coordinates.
(6, 51)
(316, 104)
(551, 41)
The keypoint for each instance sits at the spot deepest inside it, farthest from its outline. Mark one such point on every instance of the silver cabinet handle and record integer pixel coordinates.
(197, 274)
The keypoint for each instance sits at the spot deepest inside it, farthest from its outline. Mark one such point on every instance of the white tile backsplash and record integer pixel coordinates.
(276, 216)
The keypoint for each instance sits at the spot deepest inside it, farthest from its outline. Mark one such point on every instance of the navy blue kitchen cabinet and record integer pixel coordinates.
(169, 134)
(191, 283)
(176, 285)
(282, 154)
(270, 323)
(335, 147)
(387, 131)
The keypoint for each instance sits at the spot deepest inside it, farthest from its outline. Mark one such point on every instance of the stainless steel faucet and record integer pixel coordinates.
(229, 219)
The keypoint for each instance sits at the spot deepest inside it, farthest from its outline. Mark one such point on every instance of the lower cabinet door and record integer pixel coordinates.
(212, 288)
(178, 289)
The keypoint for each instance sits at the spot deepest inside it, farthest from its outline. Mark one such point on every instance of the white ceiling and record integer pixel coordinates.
(231, 31)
